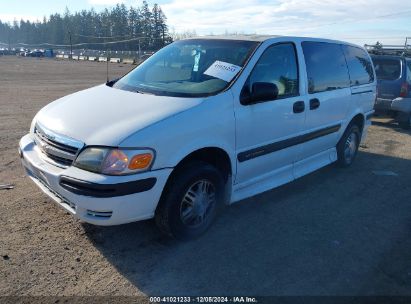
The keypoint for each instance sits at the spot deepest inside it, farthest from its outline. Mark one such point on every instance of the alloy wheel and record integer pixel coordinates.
(198, 203)
(350, 147)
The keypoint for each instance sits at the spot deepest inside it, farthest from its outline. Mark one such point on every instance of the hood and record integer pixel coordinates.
(105, 116)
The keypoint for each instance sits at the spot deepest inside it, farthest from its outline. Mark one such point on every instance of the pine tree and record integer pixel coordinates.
(87, 26)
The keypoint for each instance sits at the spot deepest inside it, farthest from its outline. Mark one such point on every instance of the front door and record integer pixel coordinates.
(265, 131)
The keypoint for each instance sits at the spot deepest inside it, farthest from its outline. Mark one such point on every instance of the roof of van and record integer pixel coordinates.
(258, 38)
(262, 38)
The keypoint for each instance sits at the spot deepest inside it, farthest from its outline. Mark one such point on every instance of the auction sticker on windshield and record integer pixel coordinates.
(223, 70)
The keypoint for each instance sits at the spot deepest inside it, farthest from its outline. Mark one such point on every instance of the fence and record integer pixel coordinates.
(102, 51)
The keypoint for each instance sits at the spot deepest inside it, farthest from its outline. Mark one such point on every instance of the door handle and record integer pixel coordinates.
(314, 103)
(298, 106)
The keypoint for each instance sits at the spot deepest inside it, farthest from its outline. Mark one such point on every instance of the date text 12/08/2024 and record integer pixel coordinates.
(203, 300)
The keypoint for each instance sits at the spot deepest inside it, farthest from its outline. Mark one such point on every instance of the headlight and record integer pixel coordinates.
(113, 161)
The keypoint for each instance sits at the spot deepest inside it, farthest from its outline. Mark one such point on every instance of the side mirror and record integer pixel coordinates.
(260, 92)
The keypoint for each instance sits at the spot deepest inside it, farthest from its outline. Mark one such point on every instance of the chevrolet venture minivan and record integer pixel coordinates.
(202, 123)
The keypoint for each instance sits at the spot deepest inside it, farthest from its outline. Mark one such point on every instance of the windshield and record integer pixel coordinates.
(189, 68)
(387, 69)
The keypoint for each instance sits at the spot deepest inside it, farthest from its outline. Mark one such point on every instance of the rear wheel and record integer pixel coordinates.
(347, 147)
(191, 201)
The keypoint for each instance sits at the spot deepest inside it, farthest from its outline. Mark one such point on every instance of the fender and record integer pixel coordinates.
(350, 118)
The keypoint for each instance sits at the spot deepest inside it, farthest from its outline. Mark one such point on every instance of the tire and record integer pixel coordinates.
(405, 121)
(347, 147)
(190, 201)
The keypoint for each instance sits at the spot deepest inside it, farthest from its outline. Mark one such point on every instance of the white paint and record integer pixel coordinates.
(175, 127)
(222, 70)
(127, 112)
(124, 208)
(128, 60)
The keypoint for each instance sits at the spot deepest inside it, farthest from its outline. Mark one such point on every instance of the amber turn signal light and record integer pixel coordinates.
(140, 161)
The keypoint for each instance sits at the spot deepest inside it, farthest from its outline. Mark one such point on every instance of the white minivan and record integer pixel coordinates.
(202, 123)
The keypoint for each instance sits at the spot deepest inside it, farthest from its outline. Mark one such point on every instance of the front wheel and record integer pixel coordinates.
(191, 201)
(348, 145)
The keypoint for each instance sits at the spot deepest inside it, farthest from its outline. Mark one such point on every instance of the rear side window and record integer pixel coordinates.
(409, 71)
(326, 66)
(387, 69)
(359, 65)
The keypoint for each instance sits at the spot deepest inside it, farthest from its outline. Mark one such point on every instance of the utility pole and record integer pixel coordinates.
(162, 26)
(71, 47)
(108, 79)
(139, 50)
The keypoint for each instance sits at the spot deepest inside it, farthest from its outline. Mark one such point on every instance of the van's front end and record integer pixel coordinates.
(78, 159)
(106, 153)
(55, 163)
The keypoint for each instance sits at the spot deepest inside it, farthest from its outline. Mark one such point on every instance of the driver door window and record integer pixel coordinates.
(277, 65)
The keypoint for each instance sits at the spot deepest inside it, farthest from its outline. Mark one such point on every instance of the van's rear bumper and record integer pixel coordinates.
(95, 198)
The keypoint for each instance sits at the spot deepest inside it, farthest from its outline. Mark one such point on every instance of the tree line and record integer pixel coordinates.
(88, 26)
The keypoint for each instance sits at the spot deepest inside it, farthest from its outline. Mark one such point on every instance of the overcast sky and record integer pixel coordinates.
(358, 21)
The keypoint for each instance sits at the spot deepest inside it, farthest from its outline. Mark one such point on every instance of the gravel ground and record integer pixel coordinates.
(334, 232)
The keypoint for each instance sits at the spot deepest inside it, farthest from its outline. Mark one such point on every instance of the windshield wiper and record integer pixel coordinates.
(112, 82)
(137, 91)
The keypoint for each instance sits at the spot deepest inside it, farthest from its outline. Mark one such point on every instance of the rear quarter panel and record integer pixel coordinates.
(363, 97)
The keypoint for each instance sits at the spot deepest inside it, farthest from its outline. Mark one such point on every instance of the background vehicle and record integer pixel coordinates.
(201, 123)
(393, 70)
(35, 53)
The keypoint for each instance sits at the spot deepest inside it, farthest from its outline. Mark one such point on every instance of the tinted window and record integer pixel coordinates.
(409, 71)
(359, 65)
(387, 69)
(326, 66)
(278, 65)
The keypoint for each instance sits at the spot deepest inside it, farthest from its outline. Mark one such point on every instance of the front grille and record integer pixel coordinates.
(54, 144)
(60, 160)
(57, 149)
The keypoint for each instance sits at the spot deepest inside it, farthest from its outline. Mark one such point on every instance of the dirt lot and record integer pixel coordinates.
(334, 232)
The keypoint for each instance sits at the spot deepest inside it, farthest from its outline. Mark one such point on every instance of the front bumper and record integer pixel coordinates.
(95, 198)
